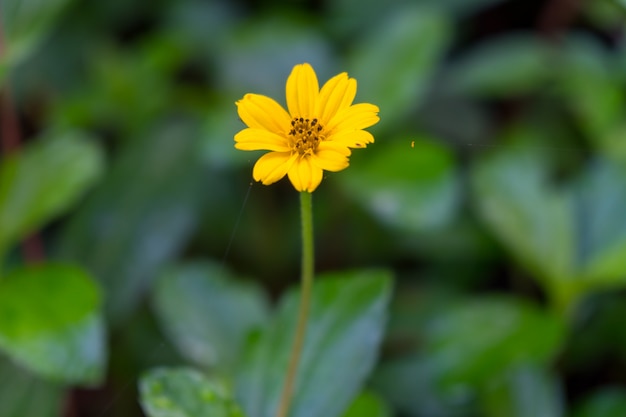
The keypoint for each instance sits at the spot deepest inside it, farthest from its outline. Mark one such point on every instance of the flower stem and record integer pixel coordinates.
(305, 301)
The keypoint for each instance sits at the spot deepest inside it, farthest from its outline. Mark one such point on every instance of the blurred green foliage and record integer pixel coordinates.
(495, 195)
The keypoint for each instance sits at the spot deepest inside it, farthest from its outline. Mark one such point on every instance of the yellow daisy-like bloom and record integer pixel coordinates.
(315, 135)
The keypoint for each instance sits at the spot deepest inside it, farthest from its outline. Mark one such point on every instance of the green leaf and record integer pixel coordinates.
(516, 201)
(599, 204)
(43, 180)
(410, 184)
(588, 78)
(368, 404)
(345, 328)
(24, 25)
(27, 395)
(607, 402)
(414, 40)
(180, 392)
(513, 64)
(258, 56)
(483, 337)
(207, 312)
(50, 322)
(412, 385)
(140, 216)
(525, 391)
(571, 237)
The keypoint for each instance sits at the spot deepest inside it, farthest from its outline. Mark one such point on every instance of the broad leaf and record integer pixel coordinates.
(24, 25)
(410, 185)
(27, 395)
(42, 180)
(207, 312)
(524, 391)
(140, 216)
(414, 40)
(50, 322)
(412, 385)
(483, 337)
(180, 392)
(508, 65)
(343, 334)
(573, 238)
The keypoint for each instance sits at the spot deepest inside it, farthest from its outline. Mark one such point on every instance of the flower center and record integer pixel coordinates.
(306, 133)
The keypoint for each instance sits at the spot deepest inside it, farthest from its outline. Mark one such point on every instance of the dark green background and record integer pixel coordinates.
(495, 191)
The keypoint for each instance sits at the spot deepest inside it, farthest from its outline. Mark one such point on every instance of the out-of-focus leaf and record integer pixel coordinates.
(607, 402)
(141, 215)
(260, 54)
(588, 79)
(345, 328)
(412, 385)
(208, 313)
(42, 181)
(483, 337)
(506, 65)
(349, 18)
(531, 217)
(50, 322)
(180, 392)
(572, 238)
(24, 23)
(410, 184)
(599, 199)
(395, 63)
(524, 391)
(368, 404)
(122, 79)
(26, 395)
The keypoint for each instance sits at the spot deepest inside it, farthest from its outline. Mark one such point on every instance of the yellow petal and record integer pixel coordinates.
(260, 139)
(338, 93)
(273, 166)
(331, 158)
(302, 91)
(305, 176)
(352, 139)
(358, 116)
(261, 112)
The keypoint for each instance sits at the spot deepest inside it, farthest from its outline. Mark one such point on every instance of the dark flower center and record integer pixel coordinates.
(307, 134)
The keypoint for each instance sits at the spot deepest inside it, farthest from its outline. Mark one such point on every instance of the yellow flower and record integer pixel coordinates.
(315, 135)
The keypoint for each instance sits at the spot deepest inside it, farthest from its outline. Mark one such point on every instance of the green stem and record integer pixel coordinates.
(305, 301)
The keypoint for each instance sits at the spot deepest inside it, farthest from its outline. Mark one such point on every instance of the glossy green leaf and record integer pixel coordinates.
(27, 395)
(24, 25)
(572, 237)
(395, 62)
(607, 402)
(525, 391)
(180, 392)
(506, 65)
(343, 334)
(483, 337)
(43, 180)
(408, 184)
(368, 404)
(207, 312)
(140, 216)
(50, 322)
